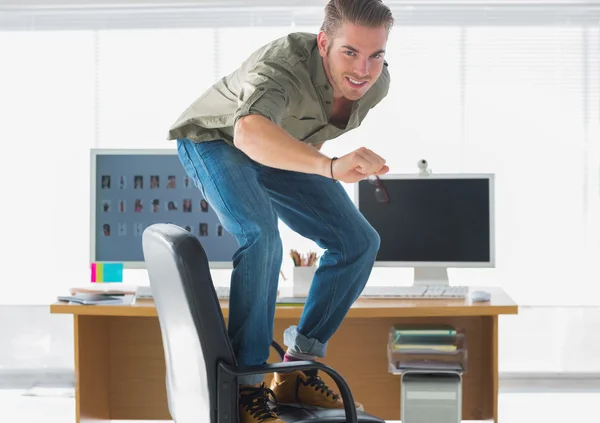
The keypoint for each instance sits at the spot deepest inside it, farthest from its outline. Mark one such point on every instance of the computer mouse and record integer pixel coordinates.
(480, 296)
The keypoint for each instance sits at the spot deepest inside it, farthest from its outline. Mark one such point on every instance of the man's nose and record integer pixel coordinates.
(361, 67)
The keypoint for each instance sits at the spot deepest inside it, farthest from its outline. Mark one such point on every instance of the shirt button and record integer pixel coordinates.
(326, 87)
(328, 102)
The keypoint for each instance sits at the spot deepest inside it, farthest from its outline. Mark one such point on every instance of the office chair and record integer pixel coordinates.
(201, 369)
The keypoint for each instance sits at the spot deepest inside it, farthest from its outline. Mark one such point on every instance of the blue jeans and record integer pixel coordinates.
(249, 198)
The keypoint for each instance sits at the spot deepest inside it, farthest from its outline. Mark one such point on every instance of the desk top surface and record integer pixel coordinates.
(500, 303)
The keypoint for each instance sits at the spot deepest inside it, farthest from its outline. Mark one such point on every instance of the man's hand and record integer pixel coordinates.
(357, 165)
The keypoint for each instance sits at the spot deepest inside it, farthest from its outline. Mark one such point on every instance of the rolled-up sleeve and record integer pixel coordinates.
(267, 90)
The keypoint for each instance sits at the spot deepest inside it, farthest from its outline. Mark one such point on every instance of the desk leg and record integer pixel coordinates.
(91, 369)
(490, 328)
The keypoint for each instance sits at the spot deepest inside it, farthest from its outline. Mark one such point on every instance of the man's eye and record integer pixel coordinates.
(350, 53)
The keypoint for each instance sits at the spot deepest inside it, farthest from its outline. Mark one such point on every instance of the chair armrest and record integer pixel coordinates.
(278, 348)
(232, 372)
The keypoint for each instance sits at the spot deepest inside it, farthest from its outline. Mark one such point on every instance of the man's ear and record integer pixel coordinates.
(322, 43)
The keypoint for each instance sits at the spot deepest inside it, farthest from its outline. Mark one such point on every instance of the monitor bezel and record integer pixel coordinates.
(447, 264)
(94, 153)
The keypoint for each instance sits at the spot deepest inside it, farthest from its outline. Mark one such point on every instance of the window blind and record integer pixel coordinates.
(227, 14)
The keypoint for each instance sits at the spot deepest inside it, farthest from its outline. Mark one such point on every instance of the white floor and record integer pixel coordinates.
(58, 406)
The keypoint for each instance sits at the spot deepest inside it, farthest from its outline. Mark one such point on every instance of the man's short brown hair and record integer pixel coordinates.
(369, 13)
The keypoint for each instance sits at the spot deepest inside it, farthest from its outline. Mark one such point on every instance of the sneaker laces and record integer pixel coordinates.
(255, 400)
(319, 385)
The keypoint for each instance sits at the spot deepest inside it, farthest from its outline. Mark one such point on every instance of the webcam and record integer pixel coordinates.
(423, 167)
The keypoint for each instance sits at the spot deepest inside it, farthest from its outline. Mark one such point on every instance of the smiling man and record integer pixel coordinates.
(251, 143)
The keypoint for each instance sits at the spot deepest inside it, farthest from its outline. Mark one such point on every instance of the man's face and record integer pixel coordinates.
(353, 58)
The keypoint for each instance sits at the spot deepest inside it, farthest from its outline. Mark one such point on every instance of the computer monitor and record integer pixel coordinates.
(431, 223)
(133, 189)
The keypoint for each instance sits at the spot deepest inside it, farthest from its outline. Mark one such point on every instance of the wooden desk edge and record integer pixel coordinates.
(146, 308)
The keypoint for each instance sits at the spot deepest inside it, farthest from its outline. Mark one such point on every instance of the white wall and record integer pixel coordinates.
(32, 339)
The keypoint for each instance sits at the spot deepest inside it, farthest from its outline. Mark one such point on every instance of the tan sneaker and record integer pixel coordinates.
(306, 389)
(254, 405)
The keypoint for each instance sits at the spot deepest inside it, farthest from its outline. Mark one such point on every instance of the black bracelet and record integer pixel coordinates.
(331, 167)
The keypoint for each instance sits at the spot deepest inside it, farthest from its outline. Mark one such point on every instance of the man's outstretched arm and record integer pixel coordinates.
(265, 142)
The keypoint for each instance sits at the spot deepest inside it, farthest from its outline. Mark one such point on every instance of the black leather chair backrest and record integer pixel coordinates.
(190, 320)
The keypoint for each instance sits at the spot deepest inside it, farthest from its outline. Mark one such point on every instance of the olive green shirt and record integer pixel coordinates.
(284, 81)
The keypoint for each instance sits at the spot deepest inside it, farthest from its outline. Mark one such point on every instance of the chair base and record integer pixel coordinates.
(291, 414)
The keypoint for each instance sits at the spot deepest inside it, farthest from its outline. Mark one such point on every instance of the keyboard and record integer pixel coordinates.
(426, 292)
(222, 292)
(145, 292)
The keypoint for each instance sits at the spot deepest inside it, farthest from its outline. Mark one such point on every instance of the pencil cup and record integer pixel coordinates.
(303, 276)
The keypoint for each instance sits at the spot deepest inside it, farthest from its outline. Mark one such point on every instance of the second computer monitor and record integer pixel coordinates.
(431, 222)
(132, 189)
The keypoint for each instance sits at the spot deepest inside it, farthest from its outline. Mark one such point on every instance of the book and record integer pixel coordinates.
(424, 330)
(423, 334)
(91, 299)
(75, 291)
(429, 347)
(428, 365)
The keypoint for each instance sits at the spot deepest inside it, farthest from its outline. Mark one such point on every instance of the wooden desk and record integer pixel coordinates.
(120, 367)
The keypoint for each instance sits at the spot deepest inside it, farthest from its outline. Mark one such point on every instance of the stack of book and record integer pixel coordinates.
(101, 294)
(98, 299)
(426, 347)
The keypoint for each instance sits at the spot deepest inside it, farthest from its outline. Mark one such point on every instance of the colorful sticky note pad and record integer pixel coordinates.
(107, 272)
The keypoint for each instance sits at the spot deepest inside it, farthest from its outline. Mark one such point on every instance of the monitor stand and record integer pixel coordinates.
(431, 276)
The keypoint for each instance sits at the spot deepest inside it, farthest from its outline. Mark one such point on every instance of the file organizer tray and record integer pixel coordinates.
(426, 349)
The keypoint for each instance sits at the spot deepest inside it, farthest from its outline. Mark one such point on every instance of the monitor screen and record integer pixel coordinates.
(443, 219)
(132, 189)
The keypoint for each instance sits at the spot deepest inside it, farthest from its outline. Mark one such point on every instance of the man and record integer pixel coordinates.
(251, 143)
